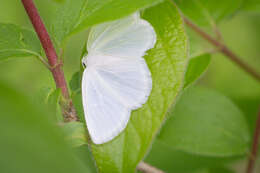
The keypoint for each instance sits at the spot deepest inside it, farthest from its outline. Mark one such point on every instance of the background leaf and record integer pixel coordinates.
(199, 109)
(75, 82)
(207, 13)
(76, 133)
(77, 101)
(167, 63)
(196, 67)
(52, 101)
(84, 154)
(205, 130)
(30, 142)
(17, 42)
(198, 45)
(251, 5)
(169, 159)
(75, 86)
(76, 15)
(49, 98)
(226, 77)
(220, 169)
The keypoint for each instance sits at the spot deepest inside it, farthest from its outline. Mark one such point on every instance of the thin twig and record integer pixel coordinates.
(146, 168)
(224, 49)
(55, 65)
(253, 154)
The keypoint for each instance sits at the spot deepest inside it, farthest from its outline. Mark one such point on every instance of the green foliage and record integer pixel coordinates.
(77, 101)
(251, 5)
(206, 123)
(76, 15)
(195, 69)
(29, 141)
(75, 82)
(205, 130)
(85, 156)
(167, 62)
(207, 13)
(17, 42)
(75, 133)
(75, 87)
(198, 46)
(241, 34)
(59, 1)
(52, 101)
(250, 108)
(169, 159)
(50, 98)
(220, 169)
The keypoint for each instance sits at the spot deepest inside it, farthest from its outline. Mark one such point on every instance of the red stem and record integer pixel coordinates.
(47, 45)
(254, 149)
(55, 64)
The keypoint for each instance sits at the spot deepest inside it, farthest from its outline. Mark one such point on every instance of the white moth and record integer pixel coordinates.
(116, 79)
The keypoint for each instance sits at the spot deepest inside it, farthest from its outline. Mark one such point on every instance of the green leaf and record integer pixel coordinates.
(220, 169)
(59, 1)
(207, 13)
(75, 133)
(206, 123)
(77, 101)
(50, 98)
(169, 159)
(197, 66)
(251, 5)
(84, 153)
(76, 15)
(52, 101)
(18, 42)
(75, 86)
(75, 82)
(30, 142)
(250, 108)
(167, 63)
(198, 45)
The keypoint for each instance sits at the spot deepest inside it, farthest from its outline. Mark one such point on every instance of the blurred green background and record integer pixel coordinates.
(240, 33)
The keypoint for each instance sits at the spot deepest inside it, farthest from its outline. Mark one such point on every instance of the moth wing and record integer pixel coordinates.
(127, 37)
(110, 92)
(129, 78)
(105, 115)
(117, 79)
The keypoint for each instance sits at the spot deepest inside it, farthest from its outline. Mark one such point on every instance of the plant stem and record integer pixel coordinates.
(253, 154)
(55, 65)
(146, 168)
(224, 49)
